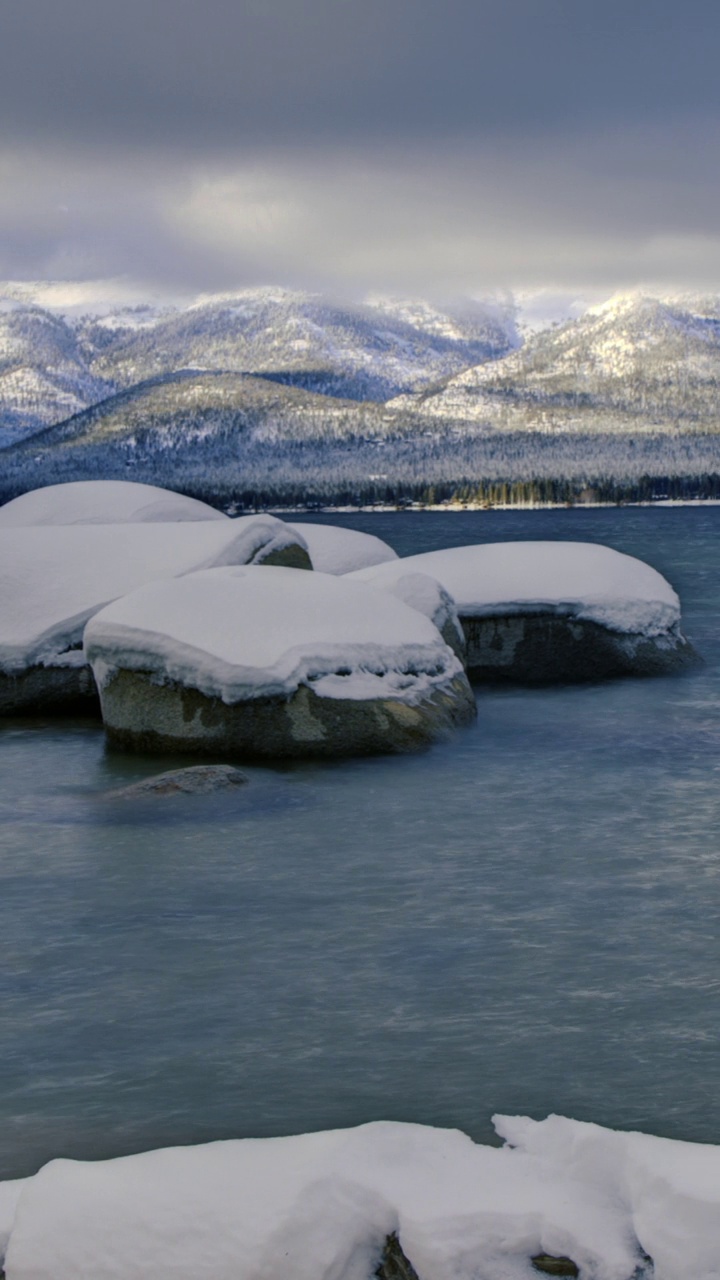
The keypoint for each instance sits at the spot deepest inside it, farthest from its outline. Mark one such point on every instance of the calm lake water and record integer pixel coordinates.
(526, 919)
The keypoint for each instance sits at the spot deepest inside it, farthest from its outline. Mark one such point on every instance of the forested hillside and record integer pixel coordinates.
(635, 364)
(44, 375)
(368, 351)
(622, 403)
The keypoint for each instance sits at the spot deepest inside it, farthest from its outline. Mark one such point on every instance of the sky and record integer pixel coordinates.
(422, 146)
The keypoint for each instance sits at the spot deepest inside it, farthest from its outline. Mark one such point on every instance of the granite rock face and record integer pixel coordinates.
(48, 687)
(537, 649)
(142, 715)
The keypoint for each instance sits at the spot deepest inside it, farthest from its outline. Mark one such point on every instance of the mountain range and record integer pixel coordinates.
(634, 364)
(55, 366)
(276, 392)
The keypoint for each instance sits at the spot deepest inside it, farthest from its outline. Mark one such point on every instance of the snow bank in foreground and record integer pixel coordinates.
(667, 1192)
(238, 633)
(336, 550)
(9, 1197)
(53, 579)
(577, 579)
(103, 502)
(319, 1207)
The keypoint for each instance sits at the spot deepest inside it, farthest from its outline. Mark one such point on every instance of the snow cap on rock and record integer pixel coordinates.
(575, 579)
(103, 502)
(334, 549)
(237, 633)
(52, 580)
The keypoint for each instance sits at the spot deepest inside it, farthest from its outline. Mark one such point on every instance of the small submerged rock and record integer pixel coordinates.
(257, 662)
(195, 780)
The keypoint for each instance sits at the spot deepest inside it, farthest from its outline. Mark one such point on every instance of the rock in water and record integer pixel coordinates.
(555, 612)
(422, 592)
(196, 780)
(52, 579)
(260, 662)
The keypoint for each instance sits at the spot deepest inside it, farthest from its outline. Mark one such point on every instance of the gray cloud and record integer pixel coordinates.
(238, 72)
(409, 144)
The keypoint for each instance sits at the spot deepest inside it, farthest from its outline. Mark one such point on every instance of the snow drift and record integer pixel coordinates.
(620, 1206)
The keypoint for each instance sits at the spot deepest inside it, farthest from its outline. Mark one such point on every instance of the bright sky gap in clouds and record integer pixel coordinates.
(432, 146)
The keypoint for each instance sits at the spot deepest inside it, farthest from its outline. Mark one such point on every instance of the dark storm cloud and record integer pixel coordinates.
(411, 144)
(226, 73)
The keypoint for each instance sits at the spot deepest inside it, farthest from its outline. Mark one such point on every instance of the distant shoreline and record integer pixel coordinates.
(454, 507)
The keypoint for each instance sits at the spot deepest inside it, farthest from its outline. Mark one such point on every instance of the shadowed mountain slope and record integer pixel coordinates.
(44, 376)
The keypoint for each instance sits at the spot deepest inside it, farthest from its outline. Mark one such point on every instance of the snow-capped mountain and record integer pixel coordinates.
(363, 351)
(633, 363)
(44, 376)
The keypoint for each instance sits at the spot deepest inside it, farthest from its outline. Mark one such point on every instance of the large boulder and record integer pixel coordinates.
(336, 550)
(259, 662)
(422, 592)
(103, 502)
(53, 579)
(546, 612)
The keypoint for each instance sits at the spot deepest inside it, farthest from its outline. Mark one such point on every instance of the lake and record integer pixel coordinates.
(525, 919)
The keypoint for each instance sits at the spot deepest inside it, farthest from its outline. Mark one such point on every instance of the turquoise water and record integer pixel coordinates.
(526, 919)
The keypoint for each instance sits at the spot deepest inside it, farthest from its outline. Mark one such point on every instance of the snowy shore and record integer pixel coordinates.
(603, 1204)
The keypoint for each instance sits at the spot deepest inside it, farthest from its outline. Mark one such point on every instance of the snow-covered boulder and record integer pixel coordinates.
(541, 612)
(273, 662)
(336, 550)
(420, 592)
(53, 579)
(320, 1206)
(103, 502)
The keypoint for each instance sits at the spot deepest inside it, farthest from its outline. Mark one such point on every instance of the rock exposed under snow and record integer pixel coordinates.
(420, 592)
(53, 579)
(334, 549)
(103, 502)
(540, 612)
(321, 1206)
(253, 661)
